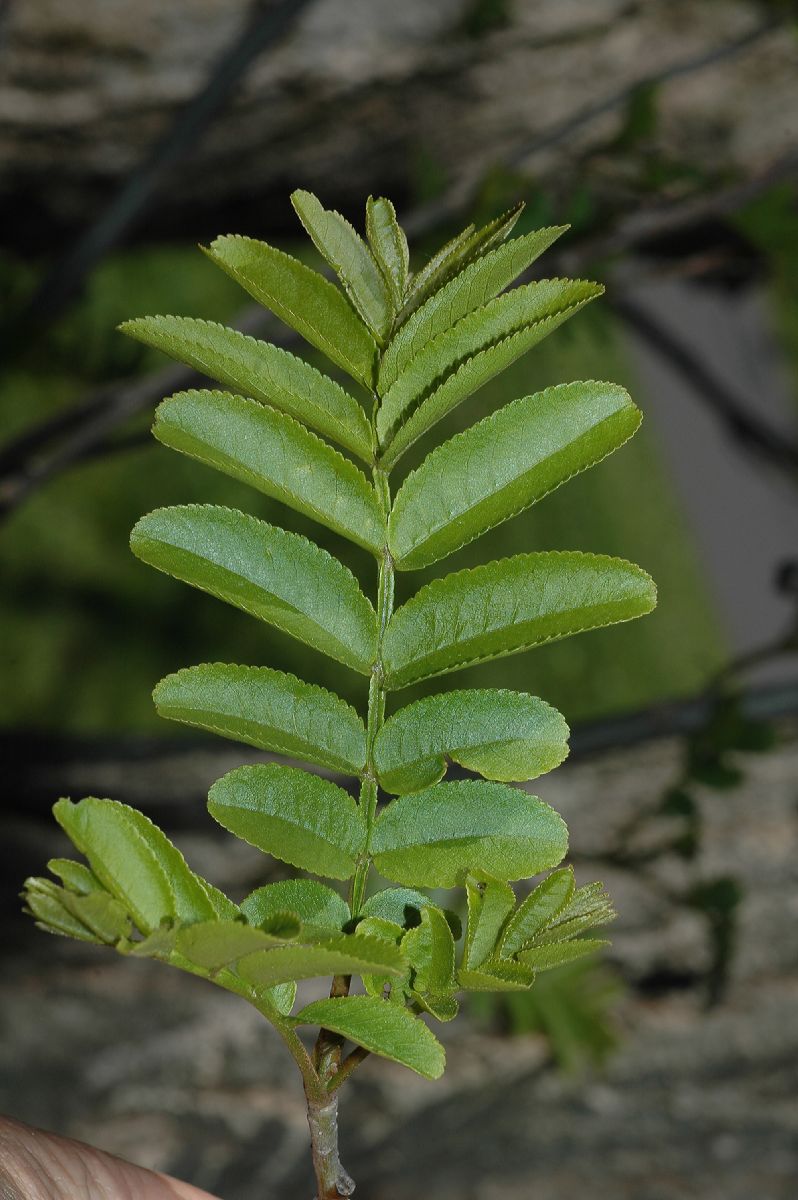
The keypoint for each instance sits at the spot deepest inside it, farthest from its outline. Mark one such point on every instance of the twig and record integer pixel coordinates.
(266, 25)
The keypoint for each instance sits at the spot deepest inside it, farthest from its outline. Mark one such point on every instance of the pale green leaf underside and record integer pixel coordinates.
(520, 311)
(501, 735)
(350, 258)
(294, 816)
(490, 902)
(389, 246)
(435, 837)
(543, 958)
(473, 287)
(383, 1028)
(456, 254)
(262, 371)
(275, 454)
(539, 908)
(314, 903)
(268, 709)
(338, 955)
(302, 298)
(503, 464)
(507, 606)
(274, 575)
(138, 864)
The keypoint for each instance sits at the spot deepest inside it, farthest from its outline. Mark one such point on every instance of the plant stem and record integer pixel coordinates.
(333, 1181)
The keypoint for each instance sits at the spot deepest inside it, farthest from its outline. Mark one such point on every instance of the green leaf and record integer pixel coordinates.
(383, 1028)
(442, 1008)
(490, 902)
(400, 905)
(503, 464)
(538, 910)
(350, 258)
(457, 253)
(497, 977)
(76, 877)
(342, 954)
(101, 913)
(297, 817)
(434, 838)
(500, 734)
(389, 247)
(262, 371)
(313, 902)
(216, 944)
(267, 709)
(375, 985)
(137, 863)
(518, 314)
(543, 958)
(507, 606)
(277, 576)
(44, 902)
(275, 454)
(478, 283)
(302, 298)
(429, 947)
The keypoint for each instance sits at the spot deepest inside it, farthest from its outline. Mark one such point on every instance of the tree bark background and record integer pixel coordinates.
(360, 94)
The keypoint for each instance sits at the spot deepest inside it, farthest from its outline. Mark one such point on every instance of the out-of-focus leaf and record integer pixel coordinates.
(294, 816)
(382, 1028)
(267, 709)
(503, 464)
(263, 371)
(501, 735)
(277, 576)
(507, 606)
(350, 258)
(302, 298)
(435, 837)
(275, 454)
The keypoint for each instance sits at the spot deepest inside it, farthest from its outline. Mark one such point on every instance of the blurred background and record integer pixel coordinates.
(666, 133)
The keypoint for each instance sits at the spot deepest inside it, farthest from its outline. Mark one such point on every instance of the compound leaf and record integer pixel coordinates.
(501, 735)
(262, 371)
(507, 606)
(500, 331)
(137, 863)
(314, 903)
(490, 902)
(383, 1028)
(538, 910)
(275, 454)
(435, 837)
(543, 958)
(294, 816)
(268, 709)
(350, 258)
(389, 246)
(503, 464)
(302, 298)
(341, 954)
(277, 576)
(478, 283)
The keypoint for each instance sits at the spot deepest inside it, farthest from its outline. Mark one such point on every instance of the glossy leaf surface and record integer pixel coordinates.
(435, 837)
(382, 1028)
(508, 606)
(350, 258)
(277, 576)
(302, 298)
(503, 464)
(275, 454)
(268, 709)
(262, 371)
(294, 816)
(501, 735)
